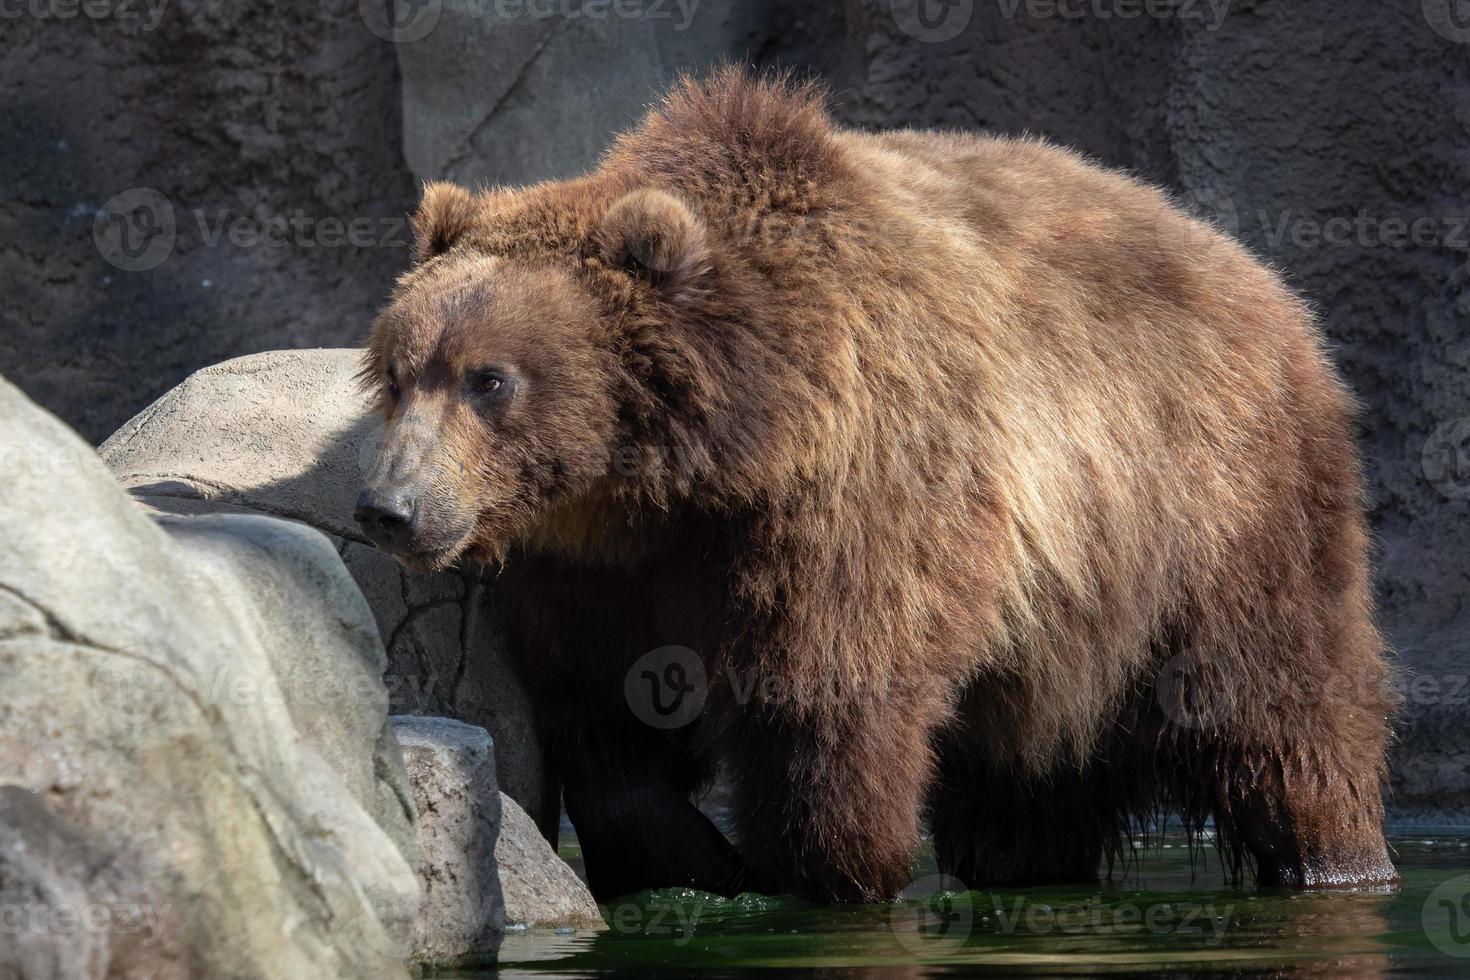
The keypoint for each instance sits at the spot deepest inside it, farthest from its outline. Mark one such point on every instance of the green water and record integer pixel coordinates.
(1165, 917)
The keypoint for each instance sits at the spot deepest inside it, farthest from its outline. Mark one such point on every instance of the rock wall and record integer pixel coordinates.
(179, 184)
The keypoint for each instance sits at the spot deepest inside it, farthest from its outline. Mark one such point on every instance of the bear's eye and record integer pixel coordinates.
(490, 384)
(391, 379)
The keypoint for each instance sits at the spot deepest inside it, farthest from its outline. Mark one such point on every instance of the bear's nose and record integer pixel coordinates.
(385, 517)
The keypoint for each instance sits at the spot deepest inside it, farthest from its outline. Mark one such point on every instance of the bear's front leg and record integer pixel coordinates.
(634, 820)
(829, 795)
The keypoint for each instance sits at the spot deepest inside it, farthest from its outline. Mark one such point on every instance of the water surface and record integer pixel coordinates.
(1167, 916)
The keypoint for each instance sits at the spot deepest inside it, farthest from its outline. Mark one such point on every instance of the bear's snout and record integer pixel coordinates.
(386, 516)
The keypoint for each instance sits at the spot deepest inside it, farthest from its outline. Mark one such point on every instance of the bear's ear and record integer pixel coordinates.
(446, 212)
(654, 236)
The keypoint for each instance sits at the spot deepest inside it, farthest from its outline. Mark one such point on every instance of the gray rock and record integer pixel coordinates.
(451, 766)
(539, 888)
(484, 864)
(287, 434)
(193, 710)
(73, 908)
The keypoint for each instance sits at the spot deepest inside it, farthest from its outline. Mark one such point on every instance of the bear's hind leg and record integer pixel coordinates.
(1305, 813)
(1288, 759)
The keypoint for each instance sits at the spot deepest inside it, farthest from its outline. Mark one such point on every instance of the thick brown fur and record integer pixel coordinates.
(956, 446)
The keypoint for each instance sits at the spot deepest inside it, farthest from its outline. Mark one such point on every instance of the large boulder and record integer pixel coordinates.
(199, 778)
(288, 434)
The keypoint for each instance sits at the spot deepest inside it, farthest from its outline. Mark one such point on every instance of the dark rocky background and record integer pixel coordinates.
(285, 140)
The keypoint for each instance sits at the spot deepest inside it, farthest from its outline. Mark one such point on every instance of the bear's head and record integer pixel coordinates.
(505, 364)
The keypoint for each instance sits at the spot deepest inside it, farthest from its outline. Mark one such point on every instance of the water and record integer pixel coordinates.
(1169, 917)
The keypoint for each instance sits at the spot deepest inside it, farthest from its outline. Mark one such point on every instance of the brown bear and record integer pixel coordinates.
(988, 486)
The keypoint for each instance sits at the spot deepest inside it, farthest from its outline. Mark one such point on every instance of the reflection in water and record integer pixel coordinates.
(1168, 919)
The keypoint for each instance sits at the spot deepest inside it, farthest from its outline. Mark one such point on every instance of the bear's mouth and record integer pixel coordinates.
(435, 560)
(420, 556)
